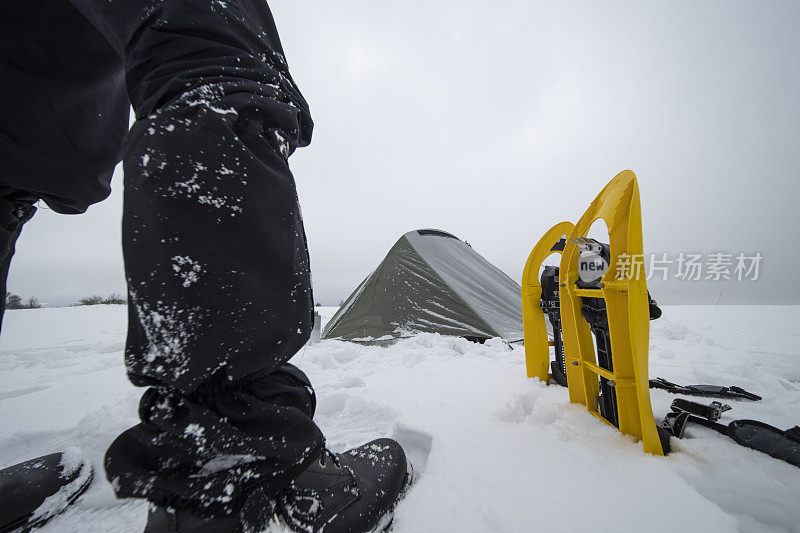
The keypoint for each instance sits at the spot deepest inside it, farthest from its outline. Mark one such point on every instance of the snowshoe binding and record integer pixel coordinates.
(783, 445)
(718, 391)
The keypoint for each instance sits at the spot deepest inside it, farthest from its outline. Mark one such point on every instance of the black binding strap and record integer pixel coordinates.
(783, 445)
(704, 390)
(551, 306)
(684, 411)
(712, 411)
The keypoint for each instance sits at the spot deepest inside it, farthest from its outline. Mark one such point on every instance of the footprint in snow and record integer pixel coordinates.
(518, 408)
(417, 445)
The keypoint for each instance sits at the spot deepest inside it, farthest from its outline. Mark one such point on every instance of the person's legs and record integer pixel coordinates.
(218, 277)
(219, 284)
(215, 251)
(215, 255)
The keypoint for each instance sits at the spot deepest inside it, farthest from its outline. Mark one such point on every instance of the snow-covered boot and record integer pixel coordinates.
(352, 492)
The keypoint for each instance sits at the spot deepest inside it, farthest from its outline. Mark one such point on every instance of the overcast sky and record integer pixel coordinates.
(494, 124)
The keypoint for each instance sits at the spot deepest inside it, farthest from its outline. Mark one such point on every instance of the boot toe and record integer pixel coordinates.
(353, 493)
(380, 466)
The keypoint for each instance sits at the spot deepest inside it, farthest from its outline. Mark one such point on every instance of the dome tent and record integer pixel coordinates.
(430, 281)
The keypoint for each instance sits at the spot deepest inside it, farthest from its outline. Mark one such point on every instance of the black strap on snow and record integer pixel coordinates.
(704, 390)
(783, 445)
(674, 424)
(684, 411)
(716, 426)
(712, 411)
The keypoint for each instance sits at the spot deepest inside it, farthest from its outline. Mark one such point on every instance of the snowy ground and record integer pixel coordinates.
(495, 451)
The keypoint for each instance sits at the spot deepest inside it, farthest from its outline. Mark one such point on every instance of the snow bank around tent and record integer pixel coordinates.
(493, 450)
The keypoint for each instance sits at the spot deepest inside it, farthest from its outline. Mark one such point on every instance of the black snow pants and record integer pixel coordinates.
(215, 252)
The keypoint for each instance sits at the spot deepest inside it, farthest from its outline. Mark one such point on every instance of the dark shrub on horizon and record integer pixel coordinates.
(91, 300)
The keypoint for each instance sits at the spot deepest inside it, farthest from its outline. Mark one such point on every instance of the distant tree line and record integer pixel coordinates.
(97, 300)
(14, 301)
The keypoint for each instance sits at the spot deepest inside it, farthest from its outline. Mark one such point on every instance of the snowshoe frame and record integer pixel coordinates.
(626, 303)
(537, 343)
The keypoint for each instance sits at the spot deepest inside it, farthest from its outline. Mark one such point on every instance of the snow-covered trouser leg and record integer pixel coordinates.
(215, 254)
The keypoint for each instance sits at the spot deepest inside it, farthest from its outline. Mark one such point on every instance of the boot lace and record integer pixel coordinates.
(326, 453)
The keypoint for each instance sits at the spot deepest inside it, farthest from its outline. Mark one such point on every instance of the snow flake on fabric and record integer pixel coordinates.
(208, 97)
(187, 269)
(168, 329)
(227, 462)
(205, 185)
(284, 145)
(219, 4)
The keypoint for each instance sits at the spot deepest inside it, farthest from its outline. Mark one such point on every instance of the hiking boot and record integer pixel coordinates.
(352, 492)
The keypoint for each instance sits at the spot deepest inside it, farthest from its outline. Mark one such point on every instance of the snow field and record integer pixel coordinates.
(492, 449)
